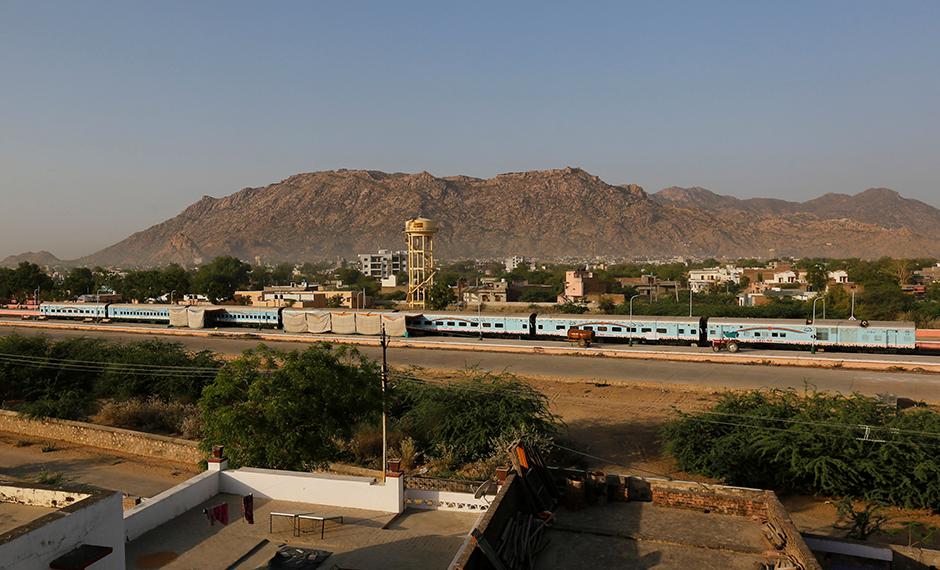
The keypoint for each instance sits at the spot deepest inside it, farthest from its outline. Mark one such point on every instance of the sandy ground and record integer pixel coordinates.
(23, 459)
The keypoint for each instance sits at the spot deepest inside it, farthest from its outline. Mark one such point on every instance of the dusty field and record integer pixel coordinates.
(30, 459)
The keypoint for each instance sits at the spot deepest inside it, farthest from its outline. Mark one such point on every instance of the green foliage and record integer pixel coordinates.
(860, 523)
(220, 278)
(440, 296)
(289, 410)
(814, 443)
(23, 281)
(570, 308)
(61, 379)
(470, 418)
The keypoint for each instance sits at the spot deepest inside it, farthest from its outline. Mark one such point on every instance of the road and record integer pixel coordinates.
(601, 370)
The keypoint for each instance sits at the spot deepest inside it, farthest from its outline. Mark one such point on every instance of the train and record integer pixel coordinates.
(720, 333)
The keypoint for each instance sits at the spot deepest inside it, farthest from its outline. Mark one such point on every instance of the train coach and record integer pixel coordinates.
(664, 330)
(473, 324)
(734, 333)
(80, 311)
(139, 313)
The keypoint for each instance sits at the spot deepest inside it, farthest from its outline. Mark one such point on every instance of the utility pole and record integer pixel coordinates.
(384, 418)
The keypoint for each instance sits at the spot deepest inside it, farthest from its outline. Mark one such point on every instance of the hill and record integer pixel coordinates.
(545, 214)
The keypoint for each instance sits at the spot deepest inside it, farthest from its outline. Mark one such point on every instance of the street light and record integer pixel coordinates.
(852, 316)
(814, 307)
(172, 293)
(632, 324)
(690, 300)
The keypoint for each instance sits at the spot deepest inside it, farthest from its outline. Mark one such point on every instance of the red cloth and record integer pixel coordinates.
(218, 513)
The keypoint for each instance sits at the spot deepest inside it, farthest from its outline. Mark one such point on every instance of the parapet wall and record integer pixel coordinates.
(711, 498)
(103, 437)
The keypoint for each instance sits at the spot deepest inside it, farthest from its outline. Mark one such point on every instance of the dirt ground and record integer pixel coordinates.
(28, 459)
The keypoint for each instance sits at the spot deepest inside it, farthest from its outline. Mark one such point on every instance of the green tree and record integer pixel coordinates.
(282, 274)
(79, 281)
(817, 277)
(289, 410)
(221, 277)
(27, 277)
(470, 417)
(440, 296)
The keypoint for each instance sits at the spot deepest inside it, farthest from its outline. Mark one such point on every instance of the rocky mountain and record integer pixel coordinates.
(40, 258)
(545, 214)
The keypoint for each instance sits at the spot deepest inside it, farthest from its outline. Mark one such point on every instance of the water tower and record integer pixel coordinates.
(419, 233)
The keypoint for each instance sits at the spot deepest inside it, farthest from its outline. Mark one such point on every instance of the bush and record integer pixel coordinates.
(816, 443)
(150, 415)
(469, 419)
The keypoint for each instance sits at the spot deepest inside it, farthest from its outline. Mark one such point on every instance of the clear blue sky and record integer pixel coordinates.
(117, 115)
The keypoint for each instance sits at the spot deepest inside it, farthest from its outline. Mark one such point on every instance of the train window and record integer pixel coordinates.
(462, 323)
(822, 335)
(681, 331)
(450, 323)
(774, 335)
(783, 334)
(756, 333)
(474, 324)
(487, 325)
(499, 325)
(439, 323)
(661, 331)
(632, 329)
(693, 331)
(540, 327)
(644, 329)
(524, 326)
(559, 327)
(602, 328)
(616, 329)
(588, 328)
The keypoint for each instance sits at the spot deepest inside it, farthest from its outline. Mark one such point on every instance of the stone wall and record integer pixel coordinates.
(103, 437)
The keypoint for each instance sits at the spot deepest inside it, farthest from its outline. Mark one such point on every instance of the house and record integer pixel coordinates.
(701, 280)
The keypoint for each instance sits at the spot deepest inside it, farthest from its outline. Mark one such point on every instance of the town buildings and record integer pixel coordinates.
(383, 264)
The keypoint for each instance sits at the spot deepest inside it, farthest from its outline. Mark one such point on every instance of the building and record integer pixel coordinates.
(650, 285)
(579, 285)
(701, 280)
(514, 262)
(383, 264)
(303, 296)
(607, 521)
(489, 290)
(769, 294)
(60, 526)
(928, 275)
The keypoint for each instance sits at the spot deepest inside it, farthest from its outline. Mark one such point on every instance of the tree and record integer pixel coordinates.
(27, 277)
(79, 281)
(282, 274)
(440, 296)
(220, 278)
(289, 410)
(817, 277)
(471, 417)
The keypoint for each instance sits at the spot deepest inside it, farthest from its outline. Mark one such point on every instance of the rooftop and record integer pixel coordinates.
(365, 539)
(644, 535)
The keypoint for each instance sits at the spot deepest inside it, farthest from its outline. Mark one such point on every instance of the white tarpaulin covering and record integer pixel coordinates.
(318, 322)
(343, 323)
(197, 317)
(179, 317)
(369, 323)
(395, 324)
(294, 321)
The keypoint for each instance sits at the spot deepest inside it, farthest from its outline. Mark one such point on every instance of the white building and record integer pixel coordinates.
(383, 264)
(838, 276)
(701, 280)
(515, 262)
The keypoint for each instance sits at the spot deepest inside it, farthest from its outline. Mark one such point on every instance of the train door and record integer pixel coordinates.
(532, 331)
(891, 338)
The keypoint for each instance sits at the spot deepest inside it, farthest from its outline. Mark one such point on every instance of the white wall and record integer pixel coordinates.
(445, 500)
(316, 488)
(170, 504)
(99, 523)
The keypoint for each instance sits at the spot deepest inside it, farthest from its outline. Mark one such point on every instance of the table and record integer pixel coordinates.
(321, 518)
(291, 516)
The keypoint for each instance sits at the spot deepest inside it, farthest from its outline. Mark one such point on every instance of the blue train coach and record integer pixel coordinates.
(81, 311)
(140, 313)
(260, 317)
(473, 324)
(665, 330)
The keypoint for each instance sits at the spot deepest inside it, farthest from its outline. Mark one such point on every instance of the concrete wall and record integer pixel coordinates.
(104, 437)
(49, 498)
(317, 488)
(444, 500)
(170, 504)
(98, 523)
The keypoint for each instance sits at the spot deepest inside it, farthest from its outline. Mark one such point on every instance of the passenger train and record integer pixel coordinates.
(729, 333)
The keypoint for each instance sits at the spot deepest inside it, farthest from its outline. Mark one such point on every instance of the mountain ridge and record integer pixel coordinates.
(555, 213)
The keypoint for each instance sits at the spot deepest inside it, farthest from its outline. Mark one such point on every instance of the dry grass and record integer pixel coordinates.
(152, 415)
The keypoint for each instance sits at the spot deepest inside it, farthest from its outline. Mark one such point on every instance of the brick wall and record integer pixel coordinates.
(714, 499)
(104, 437)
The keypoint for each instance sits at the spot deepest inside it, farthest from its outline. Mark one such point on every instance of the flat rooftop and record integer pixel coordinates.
(638, 535)
(14, 515)
(366, 539)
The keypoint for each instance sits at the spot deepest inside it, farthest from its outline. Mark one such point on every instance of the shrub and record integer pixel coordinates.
(817, 443)
(467, 419)
(150, 415)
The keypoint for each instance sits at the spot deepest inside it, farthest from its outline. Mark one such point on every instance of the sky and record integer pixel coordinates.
(115, 116)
